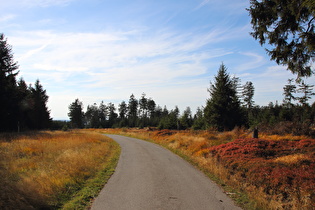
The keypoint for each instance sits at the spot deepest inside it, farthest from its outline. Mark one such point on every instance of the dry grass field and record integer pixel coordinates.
(45, 169)
(275, 172)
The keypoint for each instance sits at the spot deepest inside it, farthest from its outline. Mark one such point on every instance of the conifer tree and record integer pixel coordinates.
(143, 106)
(151, 108)
(132, 111)
(92, 116)
(288, 26)
(186, 120)
(103, 114)
(248, 94)
(199, 120)
(40, 115)
(9, 100)
(112, 115)
(143, 110)
(123, 110)
(76, 114)
(288, 92)
(25, 105)
(223, 110)
(169, 119)
(307, 93)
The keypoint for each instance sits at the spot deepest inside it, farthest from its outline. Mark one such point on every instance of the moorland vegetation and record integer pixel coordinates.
(272, 172)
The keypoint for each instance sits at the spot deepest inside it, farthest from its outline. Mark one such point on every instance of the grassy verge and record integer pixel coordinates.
(53, 170)
(83, 198)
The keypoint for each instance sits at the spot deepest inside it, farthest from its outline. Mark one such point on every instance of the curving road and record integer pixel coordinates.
(149, 177)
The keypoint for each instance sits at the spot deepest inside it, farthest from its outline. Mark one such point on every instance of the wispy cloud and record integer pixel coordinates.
(108, 54)
(254, 61)
(202, 4)
(8, 17)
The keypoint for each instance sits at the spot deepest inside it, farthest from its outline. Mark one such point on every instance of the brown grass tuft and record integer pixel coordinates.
(293, 159)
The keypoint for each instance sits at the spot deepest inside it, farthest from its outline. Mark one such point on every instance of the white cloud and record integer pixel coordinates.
(7, 17)
(254, 61)
(116, 55)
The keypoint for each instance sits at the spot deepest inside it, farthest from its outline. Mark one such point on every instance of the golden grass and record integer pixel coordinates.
(290, 137)
(292, 159)
(44, 168)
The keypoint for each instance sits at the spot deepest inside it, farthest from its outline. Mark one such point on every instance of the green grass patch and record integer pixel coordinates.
(83, 199)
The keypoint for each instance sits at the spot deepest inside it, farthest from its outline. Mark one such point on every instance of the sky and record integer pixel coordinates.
(106, 50)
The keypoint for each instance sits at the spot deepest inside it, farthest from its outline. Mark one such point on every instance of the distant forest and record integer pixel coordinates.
(230, 104)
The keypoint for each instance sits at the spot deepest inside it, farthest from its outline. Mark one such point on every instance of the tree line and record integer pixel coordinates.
(22, 106)
(230, 105)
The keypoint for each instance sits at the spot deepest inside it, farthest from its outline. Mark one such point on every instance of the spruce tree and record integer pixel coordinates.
(112, 115)
(132, 111)
(25, 105)
(288, 27)
(143, 110)
(186, 120)
(9, 99)
(151, 110)
(199, 120)
(103, 114)
(76, 114)
(288, 92)
(92, 116)
(248, 94)
(40, 115)
(223, 110)
(123, 110)
(307, 93)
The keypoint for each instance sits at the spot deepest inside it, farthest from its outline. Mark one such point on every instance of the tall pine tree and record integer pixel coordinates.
(288, 92)
(223, 110)
(76, 114)
(132, 111)
(9, 99)
(40, 115)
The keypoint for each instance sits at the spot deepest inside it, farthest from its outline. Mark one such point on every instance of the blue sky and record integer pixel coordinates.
(105, 50)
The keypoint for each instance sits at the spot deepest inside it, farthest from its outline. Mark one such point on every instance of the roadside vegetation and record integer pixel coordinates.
(50, 170)
(272, 172)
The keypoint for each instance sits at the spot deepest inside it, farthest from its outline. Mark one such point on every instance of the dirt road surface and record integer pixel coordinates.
(149, 177)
